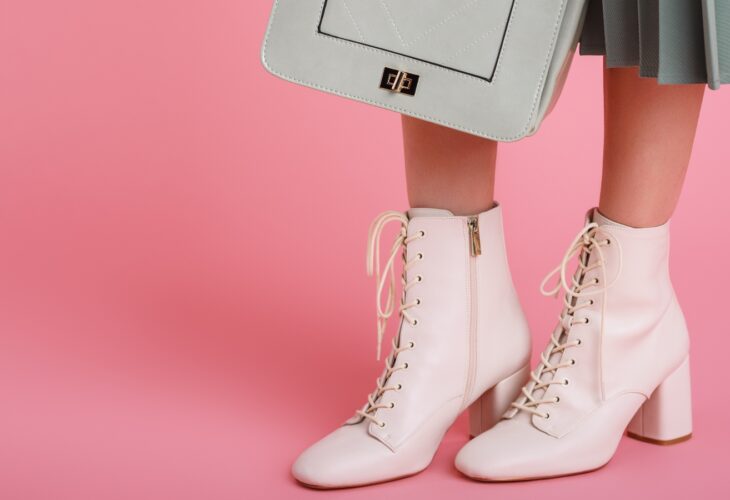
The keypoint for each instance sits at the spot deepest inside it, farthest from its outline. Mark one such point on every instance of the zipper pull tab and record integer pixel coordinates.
(476, 243)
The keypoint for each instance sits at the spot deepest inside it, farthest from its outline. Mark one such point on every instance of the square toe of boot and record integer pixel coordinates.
(513, 450)
(347, 457)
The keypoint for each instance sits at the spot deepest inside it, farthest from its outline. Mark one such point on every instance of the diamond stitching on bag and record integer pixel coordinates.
(448, 39)
(354, 22)
(445, 20)
(393, 23)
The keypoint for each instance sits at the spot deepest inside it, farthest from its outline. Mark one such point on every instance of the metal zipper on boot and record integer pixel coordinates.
(475, 245)
(474, 240)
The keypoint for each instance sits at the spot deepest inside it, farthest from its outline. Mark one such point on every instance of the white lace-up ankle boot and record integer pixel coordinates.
(619, 352)
(462, 340)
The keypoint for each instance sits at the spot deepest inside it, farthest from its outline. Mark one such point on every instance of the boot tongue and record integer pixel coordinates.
(600, 219)
(548, 376)
(428, 212)
(593, 216)
(556, 357)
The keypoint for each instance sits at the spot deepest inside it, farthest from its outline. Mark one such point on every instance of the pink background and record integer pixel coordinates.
(183, 302)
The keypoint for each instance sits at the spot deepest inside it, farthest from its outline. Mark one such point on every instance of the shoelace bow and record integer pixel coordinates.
(385, 280)
(574, 292)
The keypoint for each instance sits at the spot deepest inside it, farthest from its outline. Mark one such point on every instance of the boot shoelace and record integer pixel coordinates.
(573, 300)
(385, 279)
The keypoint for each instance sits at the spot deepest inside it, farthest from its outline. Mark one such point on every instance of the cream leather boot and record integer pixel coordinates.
(620, 351)
(462, 339)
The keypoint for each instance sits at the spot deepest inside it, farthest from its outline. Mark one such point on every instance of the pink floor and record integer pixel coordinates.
(183, 300)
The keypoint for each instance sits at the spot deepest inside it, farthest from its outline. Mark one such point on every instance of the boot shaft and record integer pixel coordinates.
(627, 331)
(465, 324)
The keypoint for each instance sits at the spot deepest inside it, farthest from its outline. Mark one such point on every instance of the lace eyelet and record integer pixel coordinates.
(608, 241)
(596, 281)
(419, 278)
(381, 424)
(572, 362)
(414, 322)
(399, 387)
(586, 320)
(405, 366)
(412, 344)
(422, 234)
(591, 302)
(566, 381)
(578, 342)
(557, 399)
(418, 302)
(546, 416)
(392, 405)
(419, 256)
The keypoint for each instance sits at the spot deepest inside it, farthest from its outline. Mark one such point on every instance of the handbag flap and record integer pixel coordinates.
(462, 35)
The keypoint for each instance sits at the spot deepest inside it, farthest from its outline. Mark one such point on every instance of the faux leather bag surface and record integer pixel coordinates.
(491, 68)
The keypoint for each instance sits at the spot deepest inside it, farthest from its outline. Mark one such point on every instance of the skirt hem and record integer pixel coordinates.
(686, 41)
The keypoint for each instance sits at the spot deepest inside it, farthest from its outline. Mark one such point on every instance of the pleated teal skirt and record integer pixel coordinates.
(674, 41)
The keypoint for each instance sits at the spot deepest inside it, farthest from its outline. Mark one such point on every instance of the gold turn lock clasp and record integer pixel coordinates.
(399, 82)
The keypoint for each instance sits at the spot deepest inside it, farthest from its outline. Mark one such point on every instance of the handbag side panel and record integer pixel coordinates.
(564, 53)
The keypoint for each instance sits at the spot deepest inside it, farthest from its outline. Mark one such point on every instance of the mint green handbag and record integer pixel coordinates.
(492, 68)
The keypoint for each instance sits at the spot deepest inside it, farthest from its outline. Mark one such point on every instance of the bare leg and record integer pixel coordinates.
(448, 169)
(650, 129)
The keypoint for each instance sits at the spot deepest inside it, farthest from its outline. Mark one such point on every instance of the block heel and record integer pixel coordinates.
(666, 417)
(488, 409)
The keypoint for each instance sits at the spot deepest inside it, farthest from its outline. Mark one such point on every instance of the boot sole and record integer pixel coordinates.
(527, 479)
(317, 487)
(660, 442)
